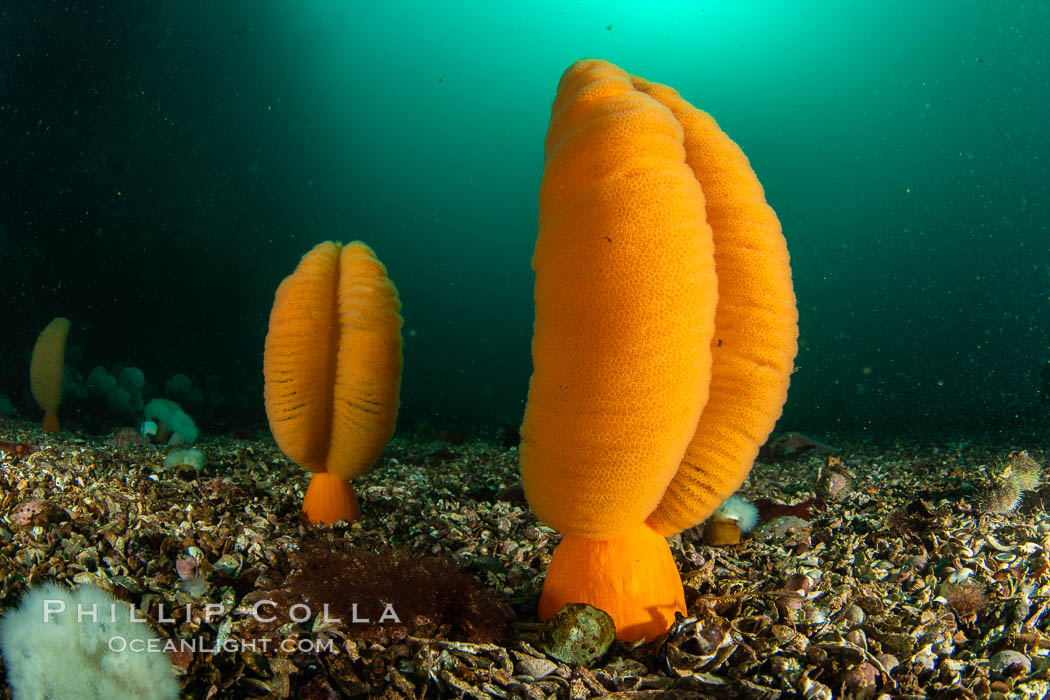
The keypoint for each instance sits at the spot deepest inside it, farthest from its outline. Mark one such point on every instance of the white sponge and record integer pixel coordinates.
(54, 649)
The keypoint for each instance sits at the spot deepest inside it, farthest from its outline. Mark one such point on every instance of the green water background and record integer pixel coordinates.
(166, 164)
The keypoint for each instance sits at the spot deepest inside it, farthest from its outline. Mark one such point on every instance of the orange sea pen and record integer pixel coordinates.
(332, 370)
(664, 338)
(45, 369)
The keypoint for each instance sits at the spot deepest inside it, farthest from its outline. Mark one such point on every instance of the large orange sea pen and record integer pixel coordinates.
(664, 338)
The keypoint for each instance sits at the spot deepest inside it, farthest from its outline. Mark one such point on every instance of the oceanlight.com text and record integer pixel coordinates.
(120, 644)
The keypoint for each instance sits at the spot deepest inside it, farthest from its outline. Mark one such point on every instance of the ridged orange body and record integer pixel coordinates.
(45, 369)
(625, 303)
(664, 338)
(332, 364)
(756, 323)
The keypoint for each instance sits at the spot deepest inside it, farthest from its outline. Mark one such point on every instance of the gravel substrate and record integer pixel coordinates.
(910, 570)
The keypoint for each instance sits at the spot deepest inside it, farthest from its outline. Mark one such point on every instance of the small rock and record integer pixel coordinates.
(533, 667)
(814, 690)
(854, 614)
(924, 660)
(800, 585)
(857, 638)
(790, 445)
(998, 690)
(833, 486)
(1010, 663)
(888, 661)
(127, 437)
(181, 660)
(578, 634)
(36, 512)
(229, 564)
(186, 567)
(861, 679)
(780, 527)
(918, 562)
(786, 667)
(220, 487)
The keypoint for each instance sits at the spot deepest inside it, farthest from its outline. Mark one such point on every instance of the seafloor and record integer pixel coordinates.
(904, 570)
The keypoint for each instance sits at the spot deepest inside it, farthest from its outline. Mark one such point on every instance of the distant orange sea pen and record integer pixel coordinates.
(45, 369)
(332, 370)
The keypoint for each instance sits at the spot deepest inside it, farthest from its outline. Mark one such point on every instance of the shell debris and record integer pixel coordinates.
(899, 583)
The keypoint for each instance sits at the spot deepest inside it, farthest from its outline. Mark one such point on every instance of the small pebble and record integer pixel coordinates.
(533, 667)
(578, 634)
(36, 512)
(861, 679)
(833, 486)
(888, 661)
(854, 614)
(1010, 663)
